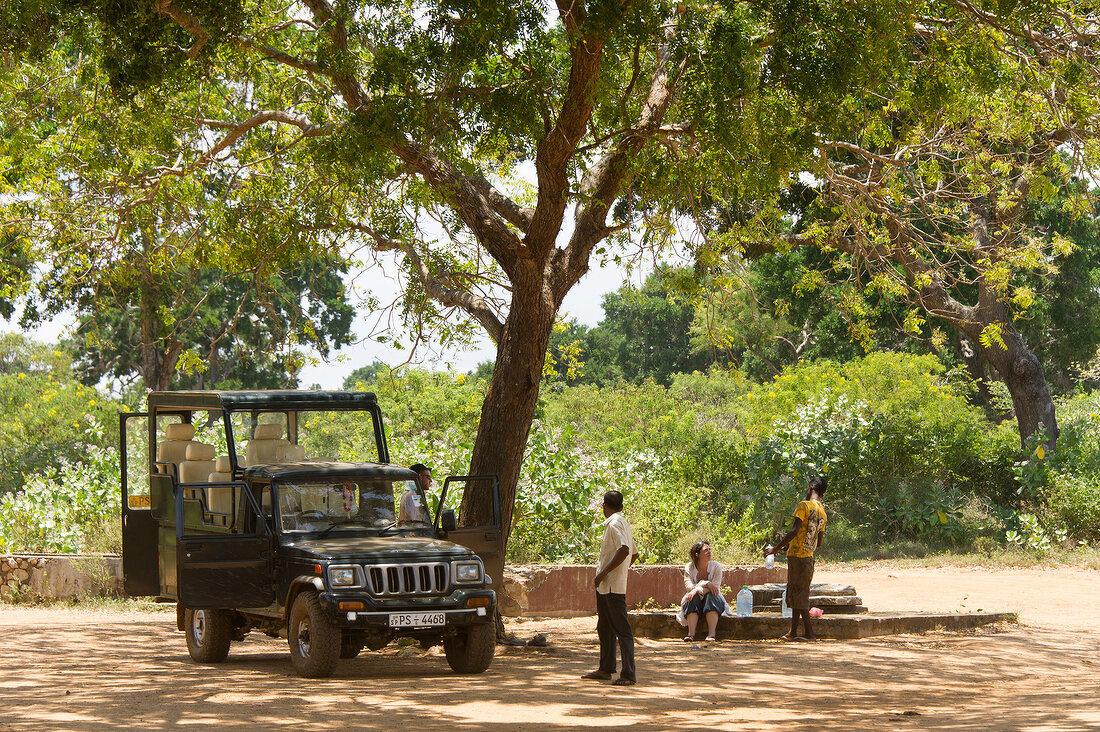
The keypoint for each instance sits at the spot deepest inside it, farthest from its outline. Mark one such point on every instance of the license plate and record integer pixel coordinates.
(416, 620)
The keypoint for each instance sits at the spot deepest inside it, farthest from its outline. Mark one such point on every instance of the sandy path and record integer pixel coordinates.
(1059, 599)
(86, 670)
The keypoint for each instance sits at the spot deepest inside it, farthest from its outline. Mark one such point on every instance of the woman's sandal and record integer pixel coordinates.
(711, 638)
(688, 638)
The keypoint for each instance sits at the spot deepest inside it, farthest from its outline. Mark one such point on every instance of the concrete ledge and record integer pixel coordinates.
(59, 576)
(548, 590)
(765, 626)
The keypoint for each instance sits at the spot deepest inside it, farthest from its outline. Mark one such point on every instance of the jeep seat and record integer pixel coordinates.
(267, 445)
(199, 463)
(173, 448)
(223, 470)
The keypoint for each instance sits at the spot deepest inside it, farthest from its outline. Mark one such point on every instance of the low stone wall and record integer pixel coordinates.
(545, 590)
(59, 576)
(550, 590)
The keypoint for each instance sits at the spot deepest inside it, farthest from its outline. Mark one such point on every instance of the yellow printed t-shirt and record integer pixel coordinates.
(813, 518)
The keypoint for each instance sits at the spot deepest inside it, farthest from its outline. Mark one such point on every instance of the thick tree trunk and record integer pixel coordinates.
(1026, 382)
(509, 406)
(157, 367)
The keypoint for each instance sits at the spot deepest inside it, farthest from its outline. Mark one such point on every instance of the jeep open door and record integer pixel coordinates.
(485, 541)
(224, 559)
(140, 566)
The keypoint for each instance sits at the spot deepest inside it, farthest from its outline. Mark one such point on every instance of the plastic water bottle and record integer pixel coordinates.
(785, 609)
(769, 560)
(744, 602)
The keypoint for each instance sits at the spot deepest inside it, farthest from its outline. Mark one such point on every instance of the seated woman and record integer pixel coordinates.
(703, 580)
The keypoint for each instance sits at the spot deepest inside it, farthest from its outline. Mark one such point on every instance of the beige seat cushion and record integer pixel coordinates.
(267, 445)
(221, 499)
(199, 463)
(223, 470)
(173, 448)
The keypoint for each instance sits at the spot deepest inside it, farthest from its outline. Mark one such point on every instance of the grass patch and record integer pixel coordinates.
(913, 555)
(94, 602)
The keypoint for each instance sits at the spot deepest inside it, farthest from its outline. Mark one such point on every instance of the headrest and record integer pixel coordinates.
(199, 451)
(180, 431)
(269, 431)
(222, 464)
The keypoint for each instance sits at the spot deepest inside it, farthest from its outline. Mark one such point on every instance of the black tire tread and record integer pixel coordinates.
(218, 635)
(470, 651)
(324, 638)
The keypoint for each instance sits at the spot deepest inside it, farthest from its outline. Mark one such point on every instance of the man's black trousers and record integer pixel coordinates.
(613, 624)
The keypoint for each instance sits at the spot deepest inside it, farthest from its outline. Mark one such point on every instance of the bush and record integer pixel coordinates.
(1070, 505)
(74, 511)
(558, 498)
(48, 418)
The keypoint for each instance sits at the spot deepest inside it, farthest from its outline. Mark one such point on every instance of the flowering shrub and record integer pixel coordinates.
(76, 510)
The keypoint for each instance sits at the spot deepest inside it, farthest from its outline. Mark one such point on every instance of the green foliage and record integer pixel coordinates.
(48, 418)
(1057, 491)
(924, 510)
(645, 334)
(557, 502)
(1071, 506)
(913, 468)
(365, 375)
(75, 510)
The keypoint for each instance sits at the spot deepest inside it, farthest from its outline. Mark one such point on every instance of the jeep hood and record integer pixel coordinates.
(379, 548)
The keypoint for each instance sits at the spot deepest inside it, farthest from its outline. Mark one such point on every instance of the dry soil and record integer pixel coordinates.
(95, 670)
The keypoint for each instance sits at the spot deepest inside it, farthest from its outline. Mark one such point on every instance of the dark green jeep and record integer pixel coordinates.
(281, 512)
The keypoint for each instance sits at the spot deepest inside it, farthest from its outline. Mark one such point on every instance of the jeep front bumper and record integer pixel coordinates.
(361, 611)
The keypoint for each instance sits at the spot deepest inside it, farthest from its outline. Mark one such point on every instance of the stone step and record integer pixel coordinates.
(827, 609)
(764, 594)
(653, 624)
(824, 601)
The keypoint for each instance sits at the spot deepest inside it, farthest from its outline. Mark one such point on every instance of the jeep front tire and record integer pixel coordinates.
(470, 650)
(209, 633)
(314, 641)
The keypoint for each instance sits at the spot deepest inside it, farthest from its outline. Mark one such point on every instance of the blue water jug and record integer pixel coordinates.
(744, 602)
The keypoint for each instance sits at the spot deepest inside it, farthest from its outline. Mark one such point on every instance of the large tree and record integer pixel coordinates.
(207, 329)
(399, 125)
(928, 172)
(493, 147)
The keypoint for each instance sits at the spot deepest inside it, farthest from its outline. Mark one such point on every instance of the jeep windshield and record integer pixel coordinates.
(335, 505)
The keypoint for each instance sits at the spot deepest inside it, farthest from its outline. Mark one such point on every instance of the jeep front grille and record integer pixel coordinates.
(386, 580)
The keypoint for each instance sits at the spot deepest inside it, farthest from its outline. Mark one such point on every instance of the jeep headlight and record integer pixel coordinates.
(345, 575)
(467, 572)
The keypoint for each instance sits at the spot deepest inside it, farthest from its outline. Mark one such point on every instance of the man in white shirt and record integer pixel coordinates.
(411, 508)
(613, 623)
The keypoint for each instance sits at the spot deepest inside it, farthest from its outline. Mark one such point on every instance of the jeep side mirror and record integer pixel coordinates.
(447, 521)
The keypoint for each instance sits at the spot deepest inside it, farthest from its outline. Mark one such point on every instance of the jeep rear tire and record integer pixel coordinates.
(209, 633)
(470, 651)
(314, 641)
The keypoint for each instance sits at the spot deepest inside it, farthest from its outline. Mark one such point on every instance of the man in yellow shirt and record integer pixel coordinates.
(806, 535)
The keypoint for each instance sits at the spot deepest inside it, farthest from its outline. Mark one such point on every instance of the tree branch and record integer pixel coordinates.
(477, 307)
(606, 179)
(188, 22)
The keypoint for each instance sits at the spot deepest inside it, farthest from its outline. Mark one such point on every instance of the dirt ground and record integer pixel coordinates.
(64, 669)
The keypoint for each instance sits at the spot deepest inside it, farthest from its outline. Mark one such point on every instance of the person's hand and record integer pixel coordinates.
(769, 550)
(690, 594)
(598, 580)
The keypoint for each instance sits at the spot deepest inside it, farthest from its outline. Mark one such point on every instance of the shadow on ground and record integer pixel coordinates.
(133, 671)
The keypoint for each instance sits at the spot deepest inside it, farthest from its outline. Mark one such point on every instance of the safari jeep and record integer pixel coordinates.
(280, 512)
